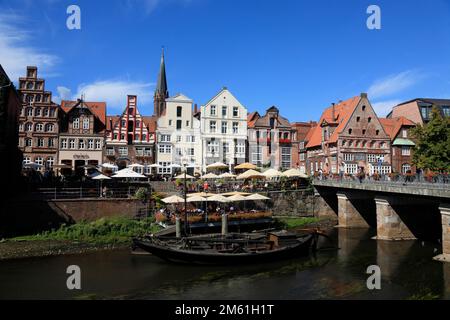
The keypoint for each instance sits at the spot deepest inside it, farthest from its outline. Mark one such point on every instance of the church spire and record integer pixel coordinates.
(161, 92)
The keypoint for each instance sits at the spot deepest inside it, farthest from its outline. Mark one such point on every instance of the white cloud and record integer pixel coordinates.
(382, 108)
(63, 94)
(15, 52)
(394, 84)
(114, 93)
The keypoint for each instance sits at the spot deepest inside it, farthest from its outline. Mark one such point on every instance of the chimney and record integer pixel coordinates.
(333, 112)
(363, 95)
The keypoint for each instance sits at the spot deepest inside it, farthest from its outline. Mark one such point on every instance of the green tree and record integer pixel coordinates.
(432, 150)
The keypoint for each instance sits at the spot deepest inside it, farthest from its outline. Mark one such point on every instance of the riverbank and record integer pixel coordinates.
(110, 234)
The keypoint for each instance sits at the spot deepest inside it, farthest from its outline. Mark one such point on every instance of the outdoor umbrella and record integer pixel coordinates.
(246, 165)
(272, 173)
(250, 174)
(294, 173)
(127, 173)
(210, 176)
(256, 196)
(196, 199)
(236, 198)
(217, 165)
(32, 165)
(135, 165)
(173, 199)
(234, 193)
(108, 166)
(100, 177)
(155, 165)
(227, 175)
(201, 194)
(217, 198)
(175, 166)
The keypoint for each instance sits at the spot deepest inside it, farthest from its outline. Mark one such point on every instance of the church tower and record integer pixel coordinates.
(161, 92)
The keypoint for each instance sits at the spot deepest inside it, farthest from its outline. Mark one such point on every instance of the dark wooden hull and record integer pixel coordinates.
(300, 248)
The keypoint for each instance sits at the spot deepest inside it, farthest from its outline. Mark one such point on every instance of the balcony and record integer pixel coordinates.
(285, 141)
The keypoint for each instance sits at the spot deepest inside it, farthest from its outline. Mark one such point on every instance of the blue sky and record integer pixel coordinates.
(298, 55)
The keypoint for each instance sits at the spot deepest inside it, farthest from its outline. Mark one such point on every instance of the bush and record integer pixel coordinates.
(141, 194)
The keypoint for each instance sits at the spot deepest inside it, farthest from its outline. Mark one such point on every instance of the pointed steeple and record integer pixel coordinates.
(161, 92)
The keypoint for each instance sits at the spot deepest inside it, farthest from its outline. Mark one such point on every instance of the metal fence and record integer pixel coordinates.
(58, 193)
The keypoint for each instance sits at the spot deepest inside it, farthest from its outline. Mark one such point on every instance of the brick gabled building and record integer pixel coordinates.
(130, 138)
(303, 131)
(270, 139)
(82, 134)
(349, 137)
(419, 110)
(38, 122)
(402, 144)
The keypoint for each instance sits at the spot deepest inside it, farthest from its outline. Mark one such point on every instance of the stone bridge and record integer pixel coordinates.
(398, 211)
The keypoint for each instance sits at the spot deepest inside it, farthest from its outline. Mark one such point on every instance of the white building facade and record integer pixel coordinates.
(224, 130)
(178, 136)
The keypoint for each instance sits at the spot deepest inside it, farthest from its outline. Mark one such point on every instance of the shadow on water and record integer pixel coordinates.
(407, 271)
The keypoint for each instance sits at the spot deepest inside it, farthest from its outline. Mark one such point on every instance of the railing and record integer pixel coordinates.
(85, 193)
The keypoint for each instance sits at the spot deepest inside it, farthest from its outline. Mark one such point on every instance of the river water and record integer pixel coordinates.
(407, 272)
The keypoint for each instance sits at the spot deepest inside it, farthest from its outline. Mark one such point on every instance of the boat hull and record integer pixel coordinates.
(301, 248)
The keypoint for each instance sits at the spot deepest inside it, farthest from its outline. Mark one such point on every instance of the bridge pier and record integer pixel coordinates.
(348, 214)
(389, 224)
(445, 214)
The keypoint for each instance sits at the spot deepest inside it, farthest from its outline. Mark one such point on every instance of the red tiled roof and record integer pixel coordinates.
(392, 126)
(342, 113)
(98, 109)
(303, 128)
(251, 119)
(150, 122)
(111, 122)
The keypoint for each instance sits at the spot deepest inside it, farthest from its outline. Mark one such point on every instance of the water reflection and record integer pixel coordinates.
(408, 271)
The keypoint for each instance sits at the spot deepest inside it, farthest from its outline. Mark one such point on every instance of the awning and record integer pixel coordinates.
(403, 142)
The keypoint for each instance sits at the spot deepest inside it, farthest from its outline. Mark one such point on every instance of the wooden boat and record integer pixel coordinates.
(230, 249)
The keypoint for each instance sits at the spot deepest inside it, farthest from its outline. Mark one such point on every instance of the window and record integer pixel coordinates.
(52, 112)
(179, 152)
(170, 123)
(406, 168)
(350, 131)
(29, 98)
(405, 133)
(364, 131)
(369, 120)
(71, 143)
(21, 126)
(29, 112)
(138, 124)
(137, 137)
(86, 123)
(63, 143)
(302, 157)
(212, 126)
(109, 151)
(190, 139)
(50, 162)
(51, 142)
(38, 112)
(40, 142)
(351, 168)
(38, 98)
(76, 123)
(406, 151)
(115, 136)
(164, 138)
(123, 151)
(46, 112)
(39, 161)
(124, 123)
(147, 152)
(190, 152)
(39, 127)
(144, 137)
(213, 147)
(424, 112)
(285, 157)
(372, 158)
(188, 123)
(224, 111)
(235, 127)
(29, 126)
(240, 149)
(122, 136)
(165, 148)
(348, 156)
(81, 144)
(358, 119)
(178, 138)
(213, 110)
(179, 124)
(49, 127)
(377, 132)
(226, 148)
(28, 142)
(179, 112)
(235, 112)
(257, 156)
(90, 144)
(380, 169)
(224, 127)
(148, 170)
(164, 168)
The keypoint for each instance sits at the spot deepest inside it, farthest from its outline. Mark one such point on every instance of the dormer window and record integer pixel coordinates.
(76, 123)
(86, 123)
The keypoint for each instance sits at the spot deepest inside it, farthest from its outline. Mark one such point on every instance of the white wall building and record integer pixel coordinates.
(224, 130)
(178, 133)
